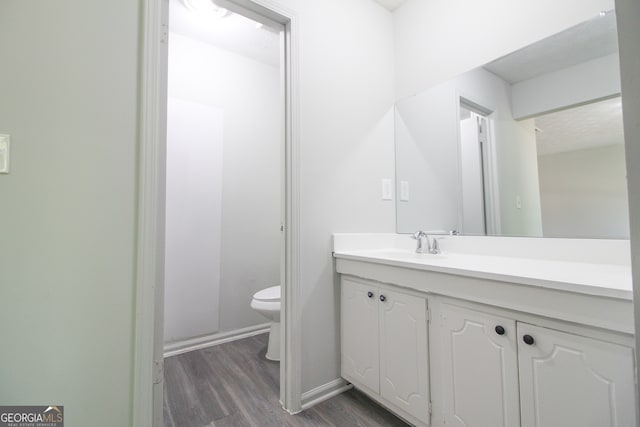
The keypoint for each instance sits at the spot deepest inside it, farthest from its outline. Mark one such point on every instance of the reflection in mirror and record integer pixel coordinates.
(521, 146)
(582, 173)
(473, 142)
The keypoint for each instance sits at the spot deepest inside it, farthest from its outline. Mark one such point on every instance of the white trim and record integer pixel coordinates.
(459, 177)
(627, 14)
(146, 409)
(492, 183)
(324, 392)
(185, 346)
(291, 369)
(290, 351)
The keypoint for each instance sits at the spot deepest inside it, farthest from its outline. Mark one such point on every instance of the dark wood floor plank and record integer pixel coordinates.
(233, 384)
(354, 408)
(168, 418)
(207, 387)
(249, 394)
(183, 401)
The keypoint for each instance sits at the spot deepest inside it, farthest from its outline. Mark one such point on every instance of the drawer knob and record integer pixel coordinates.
(500, 330)
(383, 298)
(528, 339)
(370, 294)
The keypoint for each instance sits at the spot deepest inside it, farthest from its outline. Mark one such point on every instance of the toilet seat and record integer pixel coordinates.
(271, 294)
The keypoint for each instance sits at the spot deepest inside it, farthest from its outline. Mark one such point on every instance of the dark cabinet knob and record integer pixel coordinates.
(383, 298)
(500, 330)
(528, 339)
(370, 294)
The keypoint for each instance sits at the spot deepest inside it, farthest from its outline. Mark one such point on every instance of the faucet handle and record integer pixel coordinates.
(435, 246)
(418, 235)
(422, 240)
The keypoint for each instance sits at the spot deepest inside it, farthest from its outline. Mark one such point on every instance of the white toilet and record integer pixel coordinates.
(267, 303)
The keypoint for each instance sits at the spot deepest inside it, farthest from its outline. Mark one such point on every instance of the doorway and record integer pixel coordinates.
(474, 168)
(223, 179)
(148, 384)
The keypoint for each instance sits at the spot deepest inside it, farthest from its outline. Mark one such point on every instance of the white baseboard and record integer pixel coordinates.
(324, 392)
(184, 346)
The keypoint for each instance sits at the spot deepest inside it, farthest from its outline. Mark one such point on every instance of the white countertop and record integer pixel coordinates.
(606, 280)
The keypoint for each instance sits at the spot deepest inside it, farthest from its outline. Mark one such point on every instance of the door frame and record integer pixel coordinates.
(489, 165)
(147, 381)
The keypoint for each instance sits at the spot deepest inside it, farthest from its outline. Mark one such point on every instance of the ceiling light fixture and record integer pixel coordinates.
(206, 8)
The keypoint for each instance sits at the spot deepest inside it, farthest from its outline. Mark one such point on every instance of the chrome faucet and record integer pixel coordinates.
(431, 246)
(426, 245)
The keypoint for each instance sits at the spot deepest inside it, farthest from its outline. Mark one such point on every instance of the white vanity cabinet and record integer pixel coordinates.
(360, 335)
(568, 380)
(479, 368)
(385, 346)
(503, 373)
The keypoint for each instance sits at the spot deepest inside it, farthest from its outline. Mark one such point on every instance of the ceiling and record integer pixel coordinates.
(234, 32)
(588, 126)
(592, 39)
(391, 5)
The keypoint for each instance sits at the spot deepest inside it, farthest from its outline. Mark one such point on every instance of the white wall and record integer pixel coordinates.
(193, 219)
(575, 85)
(436, 40)
(585, 191)
(427, 129)
(244, 94)
(69, 99)
(518, 178)
(346, 147)
(427, 158)
(628, 16)
(68, 209)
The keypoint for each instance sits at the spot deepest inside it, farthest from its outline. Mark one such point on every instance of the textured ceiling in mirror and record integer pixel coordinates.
(588, 126)
(592, 39)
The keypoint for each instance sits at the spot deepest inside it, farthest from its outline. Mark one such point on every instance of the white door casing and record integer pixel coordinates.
(473, 182)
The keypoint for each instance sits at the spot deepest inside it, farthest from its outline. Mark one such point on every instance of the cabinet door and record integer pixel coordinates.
(572, 381)
(359, 337)
(404, 359)
(480, 365)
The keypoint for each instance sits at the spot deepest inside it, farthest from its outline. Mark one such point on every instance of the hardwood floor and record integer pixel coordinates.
(233, 384)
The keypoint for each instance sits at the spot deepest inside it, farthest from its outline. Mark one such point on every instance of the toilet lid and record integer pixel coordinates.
(269, 294)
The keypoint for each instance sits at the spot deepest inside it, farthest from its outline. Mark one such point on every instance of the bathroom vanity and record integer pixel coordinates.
(492, 331)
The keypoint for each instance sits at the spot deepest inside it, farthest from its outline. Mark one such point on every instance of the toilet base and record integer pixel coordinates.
(273, 348)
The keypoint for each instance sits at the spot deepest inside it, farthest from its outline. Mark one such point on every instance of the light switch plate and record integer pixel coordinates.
(4, 153)
(404, 191)
(387, 192)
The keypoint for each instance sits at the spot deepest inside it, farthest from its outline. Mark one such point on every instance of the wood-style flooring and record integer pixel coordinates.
(233, 384)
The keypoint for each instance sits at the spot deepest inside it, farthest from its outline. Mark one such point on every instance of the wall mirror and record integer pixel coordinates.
(530, 144)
